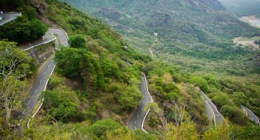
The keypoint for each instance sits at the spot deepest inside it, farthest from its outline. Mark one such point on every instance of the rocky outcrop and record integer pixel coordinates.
(159, 19)
(110, 13)
(214, 4)
(40, 7)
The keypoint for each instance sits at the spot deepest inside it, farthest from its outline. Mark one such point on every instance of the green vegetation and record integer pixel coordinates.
(16, 66)
(77, 41)
(25, 28)
(194, 38)
(22, 30)
(95, 86)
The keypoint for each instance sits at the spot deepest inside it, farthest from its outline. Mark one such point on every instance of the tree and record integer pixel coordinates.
(249, 132)
(81, 65)
(15, 66)
(100, 128)
(62, 104)
(222, 132)
(129, 97)
(186, 130)
(22, 30)
(37, 29)
(110, 69)
(119, 134)
(221, 99)
(202, 83)
(77, 41)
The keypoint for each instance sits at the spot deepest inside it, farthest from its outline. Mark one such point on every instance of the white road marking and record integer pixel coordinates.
(29, 102)
(35, 90)
(135, 122)
(44, 73)
(137, 116)
(40, 81)
(48, 65)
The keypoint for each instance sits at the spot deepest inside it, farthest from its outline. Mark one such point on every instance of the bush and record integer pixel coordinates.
(77, 41)
(221, 99)
(202, 83)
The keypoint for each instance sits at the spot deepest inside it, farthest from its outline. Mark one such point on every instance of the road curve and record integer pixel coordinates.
(7, 17)
(138, 118)
(43, 76)
(218, 118)
(250, 114)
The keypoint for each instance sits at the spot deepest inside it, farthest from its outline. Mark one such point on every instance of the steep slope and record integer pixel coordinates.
(184, 21)
(92, 82)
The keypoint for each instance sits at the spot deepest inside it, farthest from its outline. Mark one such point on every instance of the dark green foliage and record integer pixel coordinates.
(77, 41)
(37, 29)
(60, 106)
(249, 132)
(28, 12)
(139, 134)
(100, 128)
(22, 30)
(234, 114)
(221, 99)
(11, 5)
(110, 69)
(80, 64)
(202, 83)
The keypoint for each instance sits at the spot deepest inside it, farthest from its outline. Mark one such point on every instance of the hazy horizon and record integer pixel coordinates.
(242, 7)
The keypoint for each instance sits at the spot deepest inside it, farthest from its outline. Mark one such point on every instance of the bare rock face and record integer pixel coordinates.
(40, 6)
(214, 4)
(159, 19)
(42, 10)
(110, 13)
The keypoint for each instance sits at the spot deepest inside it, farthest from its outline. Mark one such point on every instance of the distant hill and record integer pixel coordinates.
(243, 7)
(203, 23)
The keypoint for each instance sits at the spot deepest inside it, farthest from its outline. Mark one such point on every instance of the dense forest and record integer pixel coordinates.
(95, 86)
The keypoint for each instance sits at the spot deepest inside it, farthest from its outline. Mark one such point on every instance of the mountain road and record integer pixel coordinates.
(42, 79)
(138, 118)
(218, 118)
(250, 114)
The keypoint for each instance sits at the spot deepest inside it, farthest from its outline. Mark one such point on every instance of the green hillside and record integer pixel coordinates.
(95, 87)
(182, 21)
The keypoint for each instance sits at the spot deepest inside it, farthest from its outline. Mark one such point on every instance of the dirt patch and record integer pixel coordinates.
(247, 42)
(252, 20)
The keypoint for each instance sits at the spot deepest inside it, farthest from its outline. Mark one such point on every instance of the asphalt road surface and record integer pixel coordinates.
(250, 114)
(43, 76)
(218, 118)
(45, 39)
(209, 111)
(138, 118)
(7, 17)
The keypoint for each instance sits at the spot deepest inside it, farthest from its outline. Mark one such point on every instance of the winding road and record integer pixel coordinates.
(212, 110)
(138, 118)
(250, 114)
(43, 76)
(7, 17)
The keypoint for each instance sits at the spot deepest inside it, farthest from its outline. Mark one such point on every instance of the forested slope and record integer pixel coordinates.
(94, 90)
